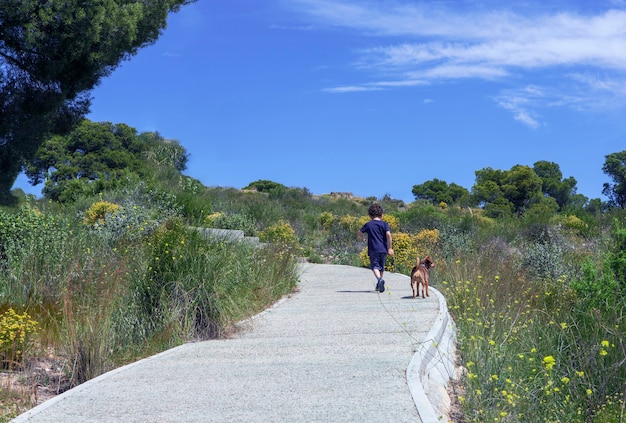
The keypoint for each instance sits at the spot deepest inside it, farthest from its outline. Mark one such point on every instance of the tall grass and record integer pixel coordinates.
(538, 301)
(535, 348)
(135, 283)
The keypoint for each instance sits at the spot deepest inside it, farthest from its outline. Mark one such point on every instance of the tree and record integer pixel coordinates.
(264, 185)
(553, 184)
(522, 187)
(95, 157)
(487, 189)
(515, 189)
(439, 191)
(52, 54)
(615, 167)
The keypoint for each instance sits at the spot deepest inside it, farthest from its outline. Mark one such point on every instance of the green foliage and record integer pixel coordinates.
(16, 332)
(99, 157)
(34, 247)
(407, 248)
(164, 153)
(522, 278)
(280, 233)
(539, 350)
(99, 211)
(617, 256)
(573, 223)
(438, 191)
(504, 191)
(595, 287)
(563, 191)
(267, 186)
(205, 293)
(52, 54)
(615, 167)
(421, 216)
(326, 219)
(235, 221)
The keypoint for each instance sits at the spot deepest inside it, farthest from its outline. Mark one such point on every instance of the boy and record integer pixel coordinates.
(378, 243)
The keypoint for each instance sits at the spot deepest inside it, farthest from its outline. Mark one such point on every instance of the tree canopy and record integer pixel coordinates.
(95, 157)
(615, 167)
(553, 184)
(439, 191)
(264, 185)
(52, 54)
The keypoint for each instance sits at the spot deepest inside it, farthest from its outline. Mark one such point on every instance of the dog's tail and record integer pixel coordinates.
(417, 262)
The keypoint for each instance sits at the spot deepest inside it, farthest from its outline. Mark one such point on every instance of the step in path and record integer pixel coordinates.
(334, 351)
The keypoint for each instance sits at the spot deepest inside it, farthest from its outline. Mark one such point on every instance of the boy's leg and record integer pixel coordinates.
(381, 281)
(377, 262)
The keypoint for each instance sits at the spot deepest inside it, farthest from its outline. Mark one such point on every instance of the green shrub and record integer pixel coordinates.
(281, 233)
(99, 211)
(16, 331)
(406, 249)
(236, 221)
(326, 219)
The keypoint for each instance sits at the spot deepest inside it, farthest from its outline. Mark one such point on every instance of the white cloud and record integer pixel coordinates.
(518, 102)
(351, 89)
(427, 42)
(292, 28)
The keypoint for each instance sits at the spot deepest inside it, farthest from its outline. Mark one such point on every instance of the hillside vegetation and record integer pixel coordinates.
(110, 267)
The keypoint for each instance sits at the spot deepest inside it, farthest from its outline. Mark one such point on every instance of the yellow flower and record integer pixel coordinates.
(605, 343)
(549, 361)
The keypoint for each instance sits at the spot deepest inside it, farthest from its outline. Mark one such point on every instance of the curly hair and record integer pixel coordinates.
(375, 210)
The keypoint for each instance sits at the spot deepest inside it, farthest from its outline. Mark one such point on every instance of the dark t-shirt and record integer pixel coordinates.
(376, 231)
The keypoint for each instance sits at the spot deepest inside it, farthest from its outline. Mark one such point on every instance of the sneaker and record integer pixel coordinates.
(380, 286)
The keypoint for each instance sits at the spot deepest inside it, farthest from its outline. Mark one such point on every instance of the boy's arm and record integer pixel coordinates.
(389, 244)
(359, 236)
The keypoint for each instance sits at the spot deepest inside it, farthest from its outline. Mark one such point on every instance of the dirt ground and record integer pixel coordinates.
(23, 389)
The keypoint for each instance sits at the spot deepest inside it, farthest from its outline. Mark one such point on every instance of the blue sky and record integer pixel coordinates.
(375, 96)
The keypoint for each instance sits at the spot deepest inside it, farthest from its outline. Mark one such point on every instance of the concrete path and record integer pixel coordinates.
(336, 351)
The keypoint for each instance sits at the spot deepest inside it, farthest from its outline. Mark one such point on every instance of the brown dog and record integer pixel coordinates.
(419, 274)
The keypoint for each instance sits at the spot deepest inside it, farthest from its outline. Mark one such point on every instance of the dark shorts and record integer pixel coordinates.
(377, 261)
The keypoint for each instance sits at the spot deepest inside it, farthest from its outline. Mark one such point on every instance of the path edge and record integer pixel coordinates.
(432, 367)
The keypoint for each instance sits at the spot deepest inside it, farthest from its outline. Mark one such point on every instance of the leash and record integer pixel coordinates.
(403, 326)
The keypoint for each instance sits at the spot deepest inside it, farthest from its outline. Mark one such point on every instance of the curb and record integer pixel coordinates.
(433, 366)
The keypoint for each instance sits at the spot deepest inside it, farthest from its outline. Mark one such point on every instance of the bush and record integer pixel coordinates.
(236, 221)
(282, 234)
(326, 219)
(16, 332)
(406, 249)
(99, 211)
